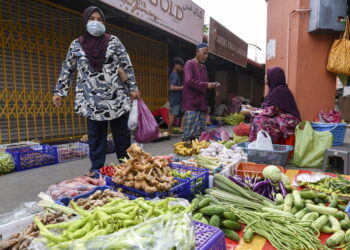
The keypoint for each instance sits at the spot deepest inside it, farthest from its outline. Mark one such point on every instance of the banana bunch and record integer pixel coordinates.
(181, 148)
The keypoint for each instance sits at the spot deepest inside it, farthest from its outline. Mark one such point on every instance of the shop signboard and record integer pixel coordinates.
(223, 43)
(182, 18)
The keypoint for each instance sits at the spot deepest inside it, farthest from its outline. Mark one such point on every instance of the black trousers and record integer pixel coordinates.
(97, 134)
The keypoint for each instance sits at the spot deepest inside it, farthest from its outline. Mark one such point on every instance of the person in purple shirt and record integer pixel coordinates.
(194, 93)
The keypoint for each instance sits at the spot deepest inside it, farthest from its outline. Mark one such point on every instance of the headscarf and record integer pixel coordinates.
(94, 47)
(279, 94)
(201, 45)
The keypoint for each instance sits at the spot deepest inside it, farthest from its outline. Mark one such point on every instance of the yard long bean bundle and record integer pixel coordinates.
(283, 232)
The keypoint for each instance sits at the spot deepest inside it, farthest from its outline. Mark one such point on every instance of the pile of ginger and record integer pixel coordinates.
(144, 171)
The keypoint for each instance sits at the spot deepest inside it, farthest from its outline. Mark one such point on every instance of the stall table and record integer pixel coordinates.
(260, 243)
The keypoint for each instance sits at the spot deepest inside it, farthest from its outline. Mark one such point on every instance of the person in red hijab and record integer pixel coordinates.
(105, 86)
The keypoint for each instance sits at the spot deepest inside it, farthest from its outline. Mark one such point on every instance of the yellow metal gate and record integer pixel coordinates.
(34, 38)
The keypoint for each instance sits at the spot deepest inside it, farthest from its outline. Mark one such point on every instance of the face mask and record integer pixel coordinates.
(95, 28)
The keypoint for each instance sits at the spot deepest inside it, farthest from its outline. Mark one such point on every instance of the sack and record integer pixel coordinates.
(310, 146)
(263, 141)
(133, 116)
(147, 127)
(339, 56)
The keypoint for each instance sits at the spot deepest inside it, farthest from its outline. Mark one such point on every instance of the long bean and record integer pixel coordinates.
(283, 232)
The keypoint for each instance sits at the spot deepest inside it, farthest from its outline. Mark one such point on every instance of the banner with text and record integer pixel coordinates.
(182, 18)
(224, 43)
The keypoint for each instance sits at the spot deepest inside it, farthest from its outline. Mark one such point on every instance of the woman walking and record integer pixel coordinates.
(105, 86)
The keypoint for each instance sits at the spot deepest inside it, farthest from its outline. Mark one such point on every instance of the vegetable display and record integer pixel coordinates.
(151, 234)
(6, 163)
(181, 148)
(242, 129)
(207, 212)
(99, 198)
(225, 155)
(273, 191)
(207, 162)
(339, 185)
(236, 139)
(74, 187)
(144, 171)
(114, 216)
(23, 239)
(234, 119)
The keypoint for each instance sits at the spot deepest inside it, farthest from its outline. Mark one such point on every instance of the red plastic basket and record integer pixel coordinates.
(252, 169)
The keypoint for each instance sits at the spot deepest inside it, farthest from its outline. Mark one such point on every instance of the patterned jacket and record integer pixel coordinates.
(102, 95)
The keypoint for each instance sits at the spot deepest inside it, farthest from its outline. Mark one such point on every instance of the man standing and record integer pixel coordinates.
(175, 88)
(194, 100)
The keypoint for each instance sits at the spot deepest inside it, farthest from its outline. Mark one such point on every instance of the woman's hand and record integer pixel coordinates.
(135, 95)
(57, 101)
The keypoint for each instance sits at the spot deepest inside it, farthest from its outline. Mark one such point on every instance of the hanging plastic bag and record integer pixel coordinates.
(339, 56)
(147, 127)
(132, 122)
(310, 146)
(263, 141)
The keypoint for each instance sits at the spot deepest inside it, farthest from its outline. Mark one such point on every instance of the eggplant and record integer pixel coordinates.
(283, 189)
(261, 184)
(237, 181)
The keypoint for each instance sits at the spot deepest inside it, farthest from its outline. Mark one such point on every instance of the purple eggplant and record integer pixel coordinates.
(237, 181)
(270, 196)
(260, 185)
(283, 189)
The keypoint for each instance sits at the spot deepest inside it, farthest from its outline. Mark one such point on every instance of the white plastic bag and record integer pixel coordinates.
(133, 116)
(263, 142)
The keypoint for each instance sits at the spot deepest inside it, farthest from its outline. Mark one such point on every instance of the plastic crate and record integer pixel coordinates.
(33, 157)
(65, 201)
(252, 169)
(337, 129)
(199, 181)
(278, 156)
(18, 145)
(208, 237)
(181, 190)
(72, 151)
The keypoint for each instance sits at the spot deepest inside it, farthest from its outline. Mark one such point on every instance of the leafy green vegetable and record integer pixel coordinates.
(6, 163)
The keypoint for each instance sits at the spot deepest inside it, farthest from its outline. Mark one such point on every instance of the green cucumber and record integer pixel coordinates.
(322, 210)
(345, 224)
(198, 216)
(205, 202)
(298, 203)
(229, 233)
(279, 199)
(230, 224)
(347, 236)
(229, 215)
(300, 214)
(195, 203)
(320, 222)
(308, 195)
(322, 196)
(294, 210)
(310, 216)
(326, 229)
(215, 221)
(248, 235)
(334, 200)
(288, 202)
(309, 202)
(335, 239)
(335, 223)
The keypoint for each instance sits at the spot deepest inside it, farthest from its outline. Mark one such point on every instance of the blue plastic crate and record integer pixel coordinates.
(65, 201)
(199, 181)
(209, 237)
(72, 151)
(32, 157)
(181, 190)
(278, 156)
(347, 209)
(337, 129)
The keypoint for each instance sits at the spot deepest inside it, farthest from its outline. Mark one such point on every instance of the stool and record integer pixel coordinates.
(341, 151)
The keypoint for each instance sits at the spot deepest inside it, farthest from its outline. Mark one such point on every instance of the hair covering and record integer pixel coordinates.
(201, 45)
(94, 47)
(279, 94)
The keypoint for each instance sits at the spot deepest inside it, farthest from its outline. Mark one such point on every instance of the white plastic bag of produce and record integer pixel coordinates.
(169, 231)
(133, 116)
(263, 141)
